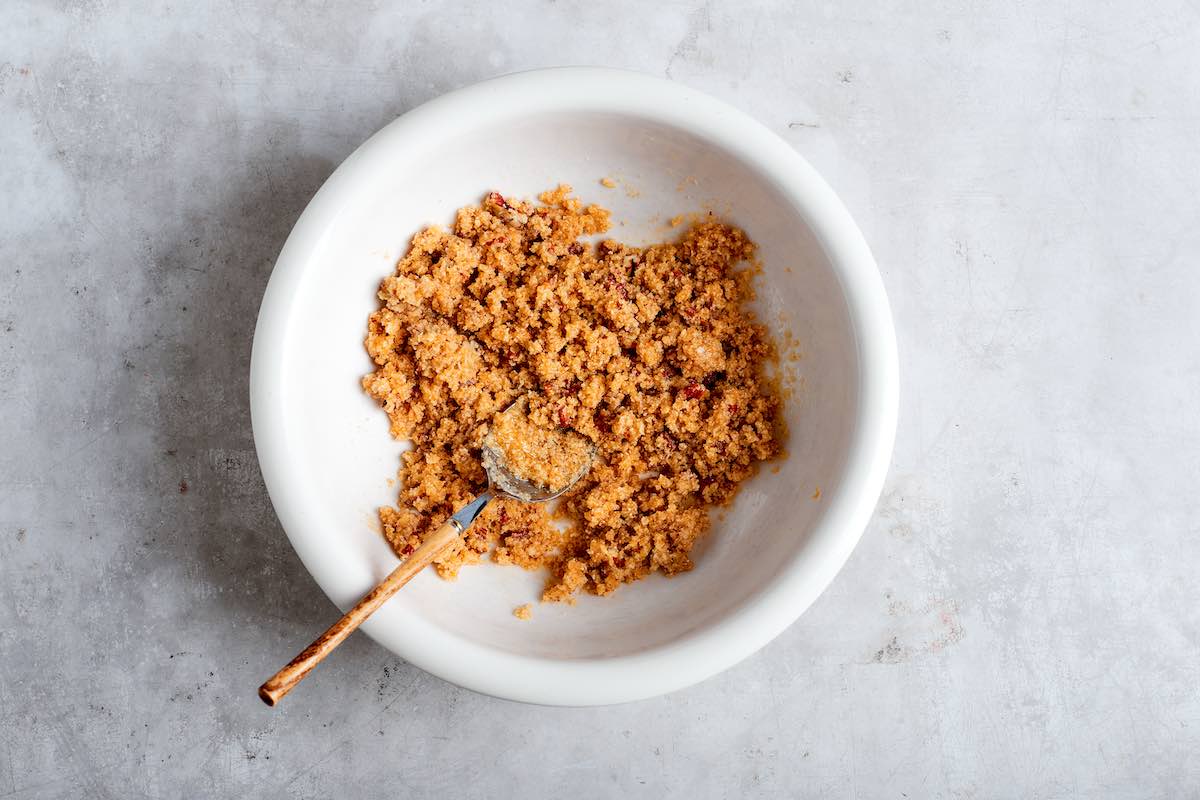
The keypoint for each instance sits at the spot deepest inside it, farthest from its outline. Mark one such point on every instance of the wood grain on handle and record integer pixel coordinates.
(286, 679)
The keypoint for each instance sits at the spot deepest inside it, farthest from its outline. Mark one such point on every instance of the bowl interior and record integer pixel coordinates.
(346, 463)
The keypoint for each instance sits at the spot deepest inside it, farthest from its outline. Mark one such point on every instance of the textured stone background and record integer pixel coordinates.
(1021, 618)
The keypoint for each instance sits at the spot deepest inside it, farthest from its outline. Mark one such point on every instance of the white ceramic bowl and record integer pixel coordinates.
(328, 461)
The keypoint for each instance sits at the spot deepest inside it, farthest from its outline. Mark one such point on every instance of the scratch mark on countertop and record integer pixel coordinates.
(700, 20)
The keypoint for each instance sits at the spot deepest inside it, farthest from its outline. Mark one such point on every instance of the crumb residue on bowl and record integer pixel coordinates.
(523, 611)
(631, 191)
(646, 352)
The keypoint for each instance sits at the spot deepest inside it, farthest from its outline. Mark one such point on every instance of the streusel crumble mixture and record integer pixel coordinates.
(647, 352)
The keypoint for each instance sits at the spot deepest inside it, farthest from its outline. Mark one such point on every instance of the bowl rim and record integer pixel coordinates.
(699, 654)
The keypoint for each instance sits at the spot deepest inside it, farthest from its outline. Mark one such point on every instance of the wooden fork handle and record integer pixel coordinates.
(286, 679)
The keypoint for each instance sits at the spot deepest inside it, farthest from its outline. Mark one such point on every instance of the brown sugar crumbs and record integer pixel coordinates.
(548, 457)
(646, 352)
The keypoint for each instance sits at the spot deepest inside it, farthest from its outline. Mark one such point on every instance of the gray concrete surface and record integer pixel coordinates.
(1021, 618)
